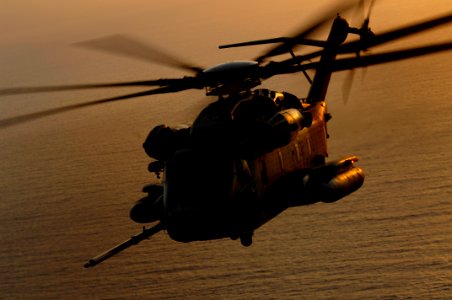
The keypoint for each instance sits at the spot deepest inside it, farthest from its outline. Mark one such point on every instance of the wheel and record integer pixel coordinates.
(246, 239)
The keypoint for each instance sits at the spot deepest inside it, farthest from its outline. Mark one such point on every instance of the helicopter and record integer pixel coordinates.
(253, 152)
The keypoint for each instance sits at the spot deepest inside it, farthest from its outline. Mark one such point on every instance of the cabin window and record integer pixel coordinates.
(264, 175)
(281, 160)
(298, 152)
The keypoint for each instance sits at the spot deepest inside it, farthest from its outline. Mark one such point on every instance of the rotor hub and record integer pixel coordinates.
(231, 77)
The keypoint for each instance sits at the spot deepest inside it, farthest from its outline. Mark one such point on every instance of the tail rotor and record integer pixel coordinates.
(365, 35)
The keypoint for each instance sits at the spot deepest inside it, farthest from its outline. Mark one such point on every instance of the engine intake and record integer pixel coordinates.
(285, 125)
(163, 141)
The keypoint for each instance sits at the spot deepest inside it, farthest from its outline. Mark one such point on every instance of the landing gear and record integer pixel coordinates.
(246, 239)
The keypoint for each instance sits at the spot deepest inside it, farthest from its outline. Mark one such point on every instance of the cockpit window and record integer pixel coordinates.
(256, 108)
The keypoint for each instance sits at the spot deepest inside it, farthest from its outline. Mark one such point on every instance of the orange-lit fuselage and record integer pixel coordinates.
(211, 195)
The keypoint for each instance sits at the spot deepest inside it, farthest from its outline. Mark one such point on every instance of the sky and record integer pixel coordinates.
(36, 47)
(51, 20)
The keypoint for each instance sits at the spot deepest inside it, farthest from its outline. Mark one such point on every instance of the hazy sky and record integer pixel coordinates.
(36, 35)
(33, 20)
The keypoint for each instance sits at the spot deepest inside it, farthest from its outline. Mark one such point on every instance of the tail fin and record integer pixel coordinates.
(338, 34)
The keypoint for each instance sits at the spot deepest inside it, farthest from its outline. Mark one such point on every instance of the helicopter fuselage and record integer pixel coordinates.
(244, 160)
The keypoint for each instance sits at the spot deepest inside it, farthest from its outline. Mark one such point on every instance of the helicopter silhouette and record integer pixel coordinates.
(253, 152)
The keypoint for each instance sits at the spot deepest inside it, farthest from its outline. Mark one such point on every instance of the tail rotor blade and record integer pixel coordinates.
(379, 39)
(358, 14)
(347, 86)
(365, 26)
(371, 7)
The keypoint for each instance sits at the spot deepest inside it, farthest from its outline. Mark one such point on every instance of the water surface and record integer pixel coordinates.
(67, 182)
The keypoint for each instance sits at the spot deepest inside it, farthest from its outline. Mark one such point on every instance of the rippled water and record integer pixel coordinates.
(67, 183)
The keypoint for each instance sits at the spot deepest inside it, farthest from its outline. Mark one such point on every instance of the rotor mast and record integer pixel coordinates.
(338, 34)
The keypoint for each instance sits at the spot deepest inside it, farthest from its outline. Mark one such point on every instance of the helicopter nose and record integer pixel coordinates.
(197, 181)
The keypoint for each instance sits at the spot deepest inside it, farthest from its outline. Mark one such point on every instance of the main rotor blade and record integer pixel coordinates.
(308, 42)
(57, 88)
(276, 68)
(256, 42)
(381, 58)
(37, 115)
(340, 7)
(133, 48)
(356, 46)
(352, 47)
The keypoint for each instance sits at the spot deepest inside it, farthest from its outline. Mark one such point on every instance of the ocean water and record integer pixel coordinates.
(67, 183)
